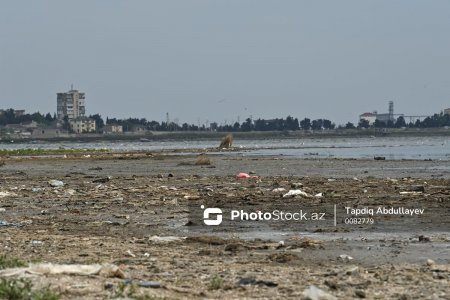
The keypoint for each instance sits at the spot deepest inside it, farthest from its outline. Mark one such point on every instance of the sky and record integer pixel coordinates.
(210, 60)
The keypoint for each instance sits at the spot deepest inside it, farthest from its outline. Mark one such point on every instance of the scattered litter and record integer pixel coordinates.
(417, 188)
(345, 257)
(102, 180)
(296, 185)
(129, 253)
(243, 176)
(314, 293)
(379, 158)
(150, 284)
(7, 194)
(69, 192)
(430, 262)
(165, 239)
(293, 193)
(7, 224)
(319, 195)
(191, 197)
(105, 270)
(2, 209)
(331, 179)
(55, 183)
(36, 242)
(146, 254)
(279, 190)
(410, 193)
(35, 190)
(253, 281)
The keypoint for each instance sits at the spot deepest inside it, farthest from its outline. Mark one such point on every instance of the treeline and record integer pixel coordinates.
(8, 116)
(289, 123)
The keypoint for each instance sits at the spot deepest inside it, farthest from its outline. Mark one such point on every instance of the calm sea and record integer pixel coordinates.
(436, 148)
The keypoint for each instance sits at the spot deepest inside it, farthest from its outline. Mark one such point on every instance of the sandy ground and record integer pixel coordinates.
(123, 209)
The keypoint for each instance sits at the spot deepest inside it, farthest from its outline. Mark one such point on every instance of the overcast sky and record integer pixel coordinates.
(216, 60)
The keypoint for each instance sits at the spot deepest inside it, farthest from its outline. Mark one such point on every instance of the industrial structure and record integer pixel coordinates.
(388, 117)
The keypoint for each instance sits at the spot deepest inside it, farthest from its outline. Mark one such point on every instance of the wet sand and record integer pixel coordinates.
(111, 207)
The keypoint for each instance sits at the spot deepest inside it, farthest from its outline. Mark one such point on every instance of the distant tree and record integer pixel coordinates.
(305, 124)
(349, 125)
(247, 125)
(98, 121)
(66, 124)
(327, 124)
(317, 124)
(363, 123)
(379, 124)
(400, 122)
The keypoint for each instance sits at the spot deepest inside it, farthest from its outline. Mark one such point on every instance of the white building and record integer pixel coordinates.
(113, 128)
(82, 125)
(370, 117)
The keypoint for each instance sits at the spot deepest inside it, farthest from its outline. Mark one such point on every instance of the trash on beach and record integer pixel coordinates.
(165, 239)
(314, 293)
(35, 190)
(293, 193)
(253, 281)
(345, 257)
(191, 197)
(102, 180)
(2, 209)
(105, 270)
(7, 194)
(243, 176)
(319, 195)
(129, 253)
(150, 284)
(55, 183)
(7, 224)
(279, 190)
(410, 193)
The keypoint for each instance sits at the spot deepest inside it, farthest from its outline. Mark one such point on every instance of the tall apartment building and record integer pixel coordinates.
(70, 104)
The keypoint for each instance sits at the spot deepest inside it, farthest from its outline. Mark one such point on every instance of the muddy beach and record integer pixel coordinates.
(135, 212)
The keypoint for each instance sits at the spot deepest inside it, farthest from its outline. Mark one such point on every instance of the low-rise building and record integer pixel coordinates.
(82, 125)
(447, 111)
(369, 117)
(112, 129)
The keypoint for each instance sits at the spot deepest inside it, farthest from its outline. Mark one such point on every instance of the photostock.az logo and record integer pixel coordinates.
(212, 211)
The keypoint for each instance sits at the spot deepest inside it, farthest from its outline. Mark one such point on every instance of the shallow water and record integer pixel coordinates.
(436, 148)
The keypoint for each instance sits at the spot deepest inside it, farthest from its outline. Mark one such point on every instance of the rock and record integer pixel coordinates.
(360, 293)
(296, 185)
(430, 262)
(352, 271)
(417, 188)
(423, 239)
(314, 293)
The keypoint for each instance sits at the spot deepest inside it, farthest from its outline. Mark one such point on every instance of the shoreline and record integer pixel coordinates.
(208, 135)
